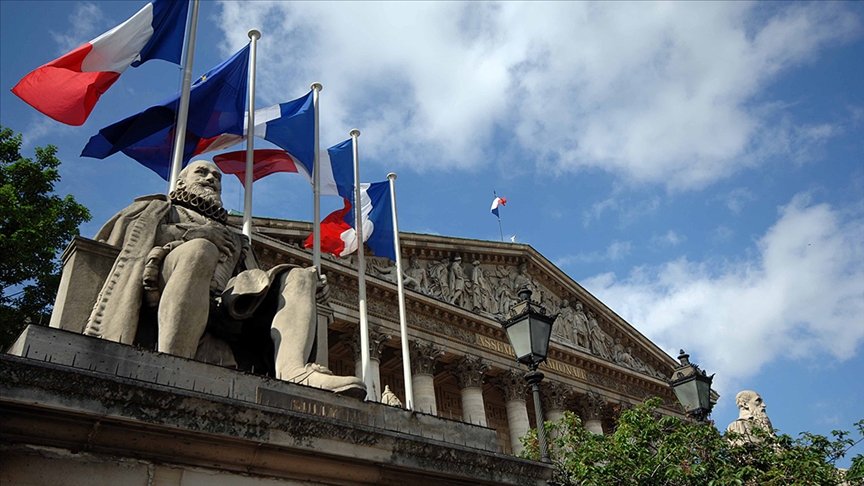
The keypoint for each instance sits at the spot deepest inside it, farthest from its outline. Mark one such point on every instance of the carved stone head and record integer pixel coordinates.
(750, 404)
(203, 179)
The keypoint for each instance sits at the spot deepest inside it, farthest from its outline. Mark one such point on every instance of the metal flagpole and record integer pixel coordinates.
(495, 193)
(254, 35)
(403, 325)
(183, 109)
(316, 187)
(366, 372)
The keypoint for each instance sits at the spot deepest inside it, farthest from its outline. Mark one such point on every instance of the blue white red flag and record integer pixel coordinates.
(66, 89)
(498, 201)
(267, 161)
(289, 125)
(217, 105)
(338, 235)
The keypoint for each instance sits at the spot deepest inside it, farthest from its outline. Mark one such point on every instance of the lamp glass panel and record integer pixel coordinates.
(688, 395)
(541, 331)
(704, 387)
(520, 338)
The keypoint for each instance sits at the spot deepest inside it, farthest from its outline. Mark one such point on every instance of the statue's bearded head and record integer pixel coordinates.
(203, 179)
(750, 404)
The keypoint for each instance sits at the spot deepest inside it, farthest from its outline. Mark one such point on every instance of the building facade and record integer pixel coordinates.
(462, 365)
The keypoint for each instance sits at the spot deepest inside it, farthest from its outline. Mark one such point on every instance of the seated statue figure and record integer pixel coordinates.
(187, 285)
(751, 414)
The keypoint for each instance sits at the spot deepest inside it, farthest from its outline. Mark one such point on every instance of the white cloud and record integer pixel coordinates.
(800, 296)
(722, 234)
(737, 198)
(671, 238)
(668, 93)
(85, 23)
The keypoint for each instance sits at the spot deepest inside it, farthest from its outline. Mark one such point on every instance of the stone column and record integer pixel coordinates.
(377, 338)
(469, 374)
(591, 406)
(423, 357)
(513, 386)
(556, 397)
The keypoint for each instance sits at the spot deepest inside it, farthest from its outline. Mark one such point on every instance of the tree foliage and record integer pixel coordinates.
(35, 225)
(647, 449)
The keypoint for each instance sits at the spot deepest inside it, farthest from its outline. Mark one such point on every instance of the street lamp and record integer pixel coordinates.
(529, 328)
(692, 386)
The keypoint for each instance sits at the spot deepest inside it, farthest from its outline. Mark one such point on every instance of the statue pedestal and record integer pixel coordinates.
(86, 409)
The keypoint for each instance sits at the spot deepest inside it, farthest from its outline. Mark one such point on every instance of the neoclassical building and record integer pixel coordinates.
(461, 362)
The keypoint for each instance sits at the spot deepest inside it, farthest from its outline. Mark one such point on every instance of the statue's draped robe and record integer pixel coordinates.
(244, 302)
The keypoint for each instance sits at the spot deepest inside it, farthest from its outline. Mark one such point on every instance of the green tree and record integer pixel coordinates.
(35, 225)
(647, 449)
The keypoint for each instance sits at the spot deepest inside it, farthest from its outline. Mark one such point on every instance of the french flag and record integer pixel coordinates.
(498, 201)
(66, 89)
(265, 162)
(289, 125)
(338, 236)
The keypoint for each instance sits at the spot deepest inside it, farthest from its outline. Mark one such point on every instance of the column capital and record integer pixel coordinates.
(556, 396)
(469, 371)
(423, 356)
(591, 406)
(512, 385)
(377, 338)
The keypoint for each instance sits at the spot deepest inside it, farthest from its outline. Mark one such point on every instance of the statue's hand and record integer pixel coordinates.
(217, 234)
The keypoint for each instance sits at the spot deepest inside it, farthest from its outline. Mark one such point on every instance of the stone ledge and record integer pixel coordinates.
(57, 405)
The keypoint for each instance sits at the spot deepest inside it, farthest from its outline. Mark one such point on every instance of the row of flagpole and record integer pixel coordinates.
(177, 162)
(156, 32)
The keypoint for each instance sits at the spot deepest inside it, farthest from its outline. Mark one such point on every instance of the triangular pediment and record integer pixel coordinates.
(483, 277)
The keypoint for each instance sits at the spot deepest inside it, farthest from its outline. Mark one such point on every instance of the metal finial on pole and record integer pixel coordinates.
(183, 107)
(403, 324)
(316, 186)
(254, 35)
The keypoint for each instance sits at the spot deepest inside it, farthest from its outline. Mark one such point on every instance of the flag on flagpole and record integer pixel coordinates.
(338, 236)
(289, 125)
(266, 162)
(66, 89)
(217, 104)
(498, 201)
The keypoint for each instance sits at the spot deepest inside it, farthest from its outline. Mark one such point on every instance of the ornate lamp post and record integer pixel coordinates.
(692, 386)
(529, 329)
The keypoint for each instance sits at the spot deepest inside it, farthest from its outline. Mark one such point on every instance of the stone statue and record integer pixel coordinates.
(563, 326)
(597, 338)
(618, 351)
(438, 285)
(580, 326)
(751, 414)
(481, 291)
(457, 282)
(390, 398)
(521, 279)
(187, 284)
(418, 274)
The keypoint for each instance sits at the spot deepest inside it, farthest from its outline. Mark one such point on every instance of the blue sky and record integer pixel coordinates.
(697, 166)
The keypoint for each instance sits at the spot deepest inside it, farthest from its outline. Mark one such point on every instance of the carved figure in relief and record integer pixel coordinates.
(580, 326)
(418, 275)
(438, 285)
(457, 282)
(481, 291)
(189, 285)
(751, 414)
(521, 279)
(597, 338)
(618, 351)
(563, 326)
